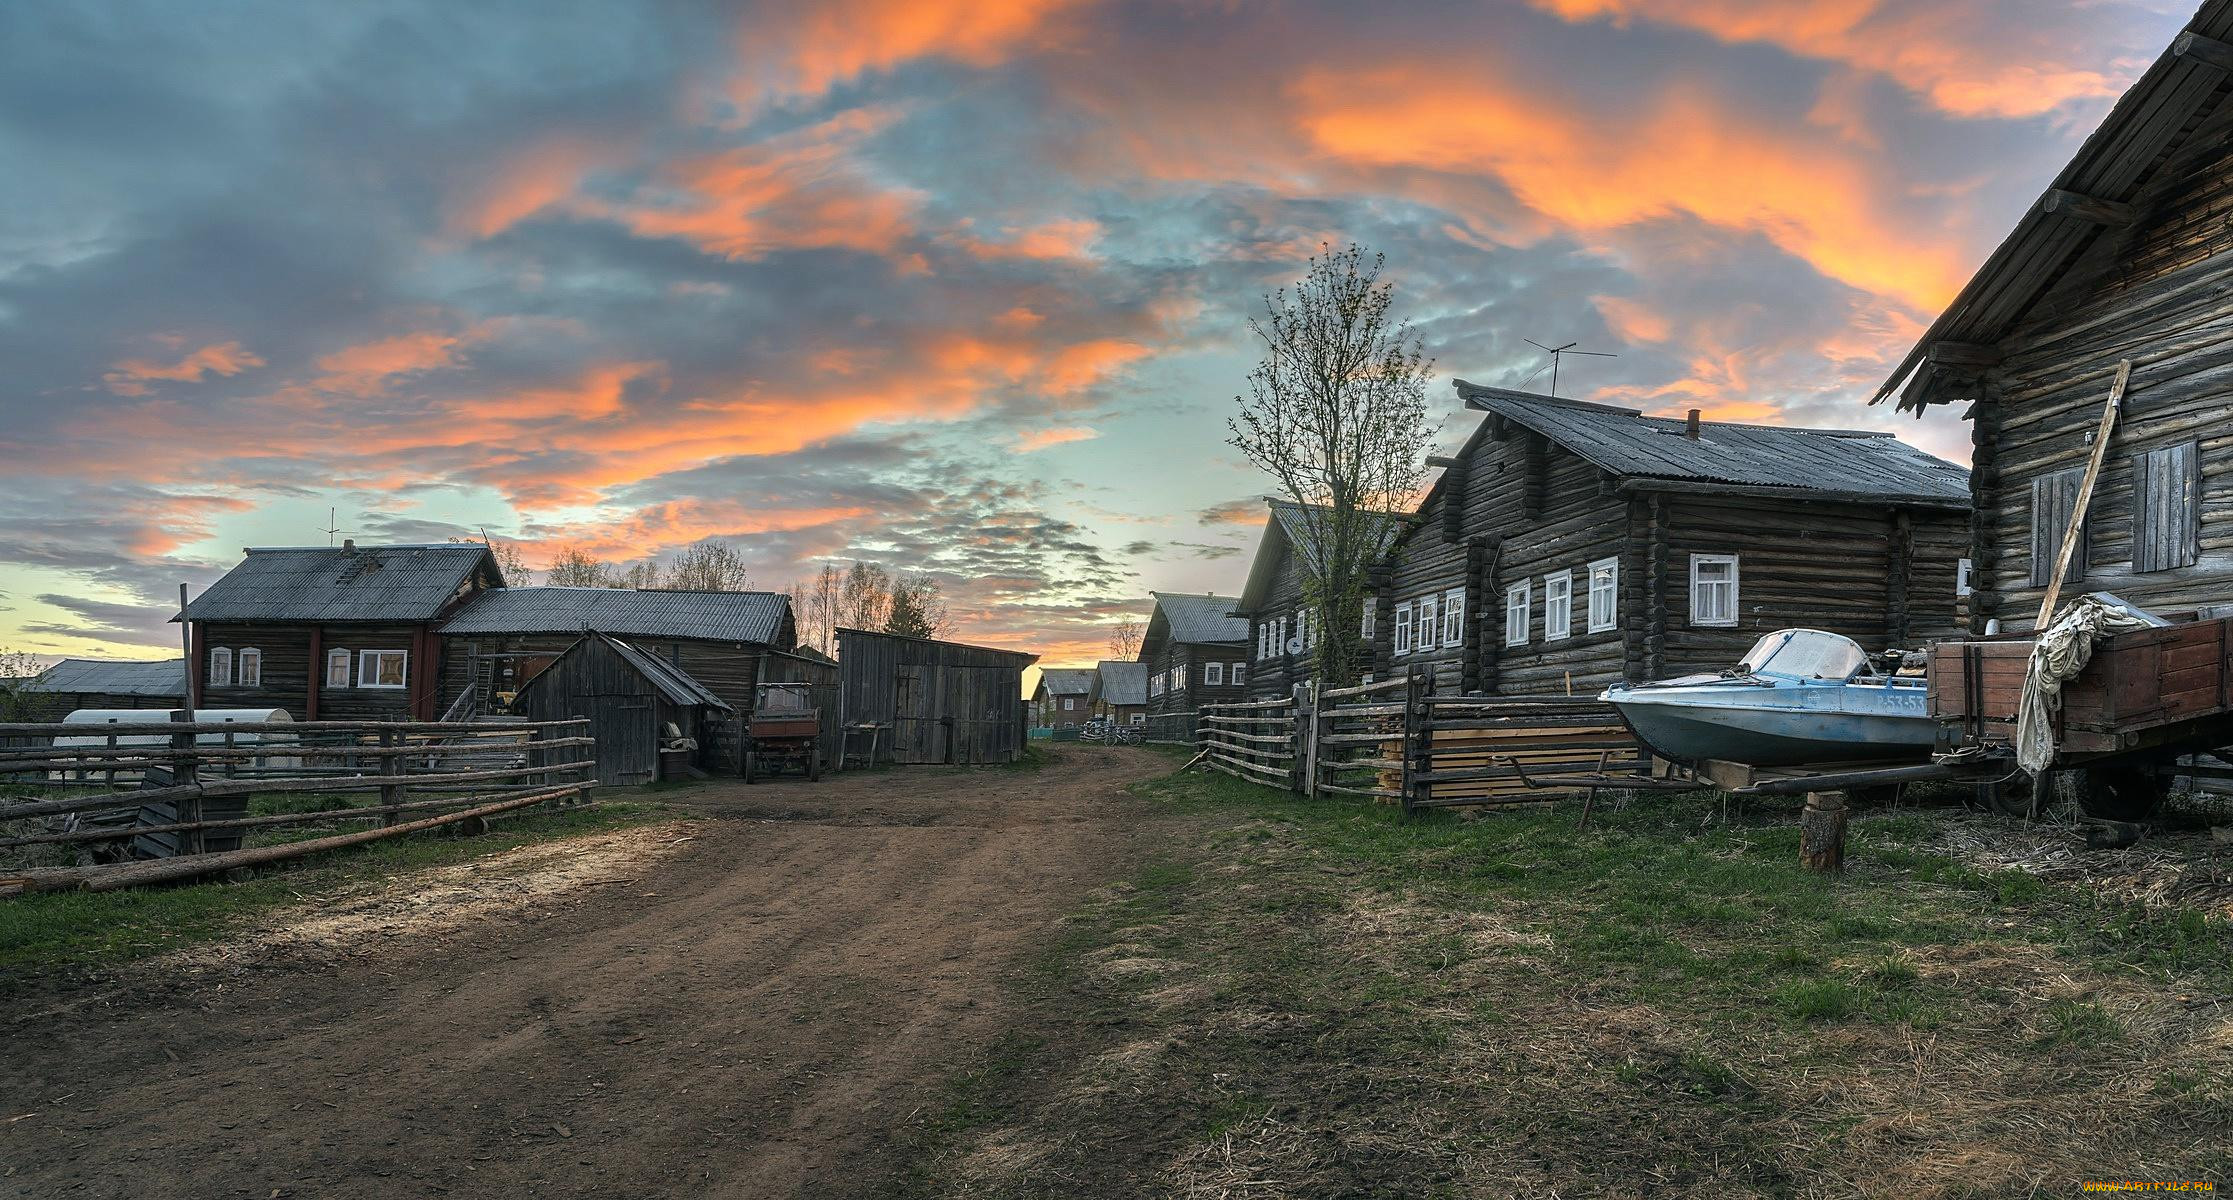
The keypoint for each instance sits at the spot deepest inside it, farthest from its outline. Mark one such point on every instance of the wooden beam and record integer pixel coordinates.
(2085, 496)
(1963, 354)
(2113, 213)
(2205, 50)
(1444, 461)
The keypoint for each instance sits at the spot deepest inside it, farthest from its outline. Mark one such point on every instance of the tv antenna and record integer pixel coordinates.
(1555, 352)
(333, 524)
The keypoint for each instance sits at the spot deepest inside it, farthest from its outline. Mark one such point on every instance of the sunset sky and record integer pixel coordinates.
(956, 285)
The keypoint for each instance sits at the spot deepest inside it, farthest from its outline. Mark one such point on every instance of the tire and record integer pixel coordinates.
(814, 766)
(751, 765)
(2019, 796)
(2121, 793)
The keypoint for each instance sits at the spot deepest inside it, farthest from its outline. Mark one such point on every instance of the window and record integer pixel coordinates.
(1516, 601)
(1178, 679)
(1961, 578)
(1155, 685)
(1453, 617)
(1069, 703)
(1139, 718)
(337, 668)
(220, 668)
(1604, 595)
(380, 668)
(1365, 630)
(2052, 499)
(1423, 610)
(1264, 639)
(1213, 675)
(249, 668)
(1713, 589)
(1558, 606)
(1403, 628)
(1240, 674)
(2165, 500)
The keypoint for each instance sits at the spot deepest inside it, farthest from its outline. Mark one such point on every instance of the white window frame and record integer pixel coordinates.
(1178, 678)
(1237, 675)
(368, 669)
(1734, 583)
(1139, 718)
(1610, 591)
(220, 671)
(248, 667)
(1155, 685)
(1069, 704)
(1213, 674)
(1558, 606)
(1961, 578)
(1403, 628)
(1518, 599)
(1423, 612)
(1453, 617)
(338, 657)
(1364, 628)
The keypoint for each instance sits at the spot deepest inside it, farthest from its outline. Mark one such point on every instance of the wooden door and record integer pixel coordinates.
(627, 740)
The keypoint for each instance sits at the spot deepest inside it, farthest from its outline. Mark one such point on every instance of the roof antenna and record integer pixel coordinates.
(1555, 352)
(333, 525)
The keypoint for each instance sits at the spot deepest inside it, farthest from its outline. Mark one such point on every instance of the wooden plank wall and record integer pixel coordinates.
(967, 704)
(287, 667)
(626, 712)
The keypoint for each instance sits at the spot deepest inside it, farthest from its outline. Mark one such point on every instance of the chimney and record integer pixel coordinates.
(349, 545)
(1690, 427)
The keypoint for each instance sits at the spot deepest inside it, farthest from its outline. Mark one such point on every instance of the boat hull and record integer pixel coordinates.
(1780, 726)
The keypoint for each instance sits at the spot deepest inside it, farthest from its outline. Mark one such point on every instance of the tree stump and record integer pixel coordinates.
(1822, 832)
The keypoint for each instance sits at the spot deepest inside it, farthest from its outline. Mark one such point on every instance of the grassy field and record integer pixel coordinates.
(41, 934)
(1316, 999)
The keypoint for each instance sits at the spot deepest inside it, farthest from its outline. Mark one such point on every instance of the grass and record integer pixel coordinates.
(47, 932)
(1303, 998)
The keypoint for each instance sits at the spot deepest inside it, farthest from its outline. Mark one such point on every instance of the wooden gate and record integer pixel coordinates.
(625, 723)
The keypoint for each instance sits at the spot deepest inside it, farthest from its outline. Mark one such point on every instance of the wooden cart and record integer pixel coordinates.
(2144, 699)
(785, 733)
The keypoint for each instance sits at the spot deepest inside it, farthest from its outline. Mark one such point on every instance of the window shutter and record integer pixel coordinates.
(2165, 503)
(2052, 499)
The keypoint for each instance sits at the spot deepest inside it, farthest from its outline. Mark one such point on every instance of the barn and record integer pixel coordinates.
(76, 683)
(931, 701)
(637, 703)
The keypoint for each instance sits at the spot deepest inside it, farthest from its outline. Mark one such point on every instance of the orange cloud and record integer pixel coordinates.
(1963, 59)
(836, 40)
(523, 184)
(131, 376)
(1051, 240)
(656, 529)
(1040, 439)
(366, 369)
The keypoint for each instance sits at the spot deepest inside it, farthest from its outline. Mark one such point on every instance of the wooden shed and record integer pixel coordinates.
(934, 702)
(636, 703)
(76, 683)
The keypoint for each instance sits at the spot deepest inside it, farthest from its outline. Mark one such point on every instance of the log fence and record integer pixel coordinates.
(1395, 742)
(153, 801)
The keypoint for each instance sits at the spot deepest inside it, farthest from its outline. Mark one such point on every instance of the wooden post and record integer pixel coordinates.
(391, 766)
(187, 771)
(1822, 832)
(1417, 759)
(2085, 495)
(1299, 740)
(1310, 733)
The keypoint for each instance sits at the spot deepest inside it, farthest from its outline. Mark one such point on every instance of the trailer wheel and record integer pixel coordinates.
(2019, 796)
(750, 767)
(814, 765)
(2120, 793)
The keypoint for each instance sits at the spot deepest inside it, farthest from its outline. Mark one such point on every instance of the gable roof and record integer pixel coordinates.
(1197, 620)
(671, 681)
(1288, 529)
(1066, 681)
(1121, 682)
(2158, 115)
(344, 583)
(707, 616)
(166, 677)
(1626, 443)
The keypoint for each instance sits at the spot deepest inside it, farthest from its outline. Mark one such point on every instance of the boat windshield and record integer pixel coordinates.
(1805, 654)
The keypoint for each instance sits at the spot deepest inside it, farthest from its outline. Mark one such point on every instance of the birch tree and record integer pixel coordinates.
(1336, 412)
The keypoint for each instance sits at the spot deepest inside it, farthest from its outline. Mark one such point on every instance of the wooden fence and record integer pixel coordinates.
(169, 800)
(1395, 742)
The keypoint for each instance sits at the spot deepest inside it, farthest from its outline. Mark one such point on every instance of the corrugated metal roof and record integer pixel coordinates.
(166, 677)
(1626, 443)
(1122, 682)
(1289, 528)
(673, 682)
(364, 583)
(1199, 619)
(708, 616)
(2157, 115)
(1066, 681)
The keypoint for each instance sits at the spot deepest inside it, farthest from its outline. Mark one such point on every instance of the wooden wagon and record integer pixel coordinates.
(2145, 698)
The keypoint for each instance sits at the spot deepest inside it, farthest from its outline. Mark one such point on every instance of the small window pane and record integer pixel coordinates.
(1558, 606)
(1604, 595)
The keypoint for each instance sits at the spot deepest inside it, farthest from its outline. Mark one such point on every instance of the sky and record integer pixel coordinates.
(958, 286)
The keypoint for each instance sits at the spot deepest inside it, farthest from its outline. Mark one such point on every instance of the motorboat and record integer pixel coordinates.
(1798, 696)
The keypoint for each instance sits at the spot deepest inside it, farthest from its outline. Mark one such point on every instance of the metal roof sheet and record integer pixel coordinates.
(1066, 681)
(707, 616)
(1122, 682)
(1626, 443)
(673, 682)
(1289, 529)
(2156, 116)
(1199, 619)
(166, 677)
(342, 583)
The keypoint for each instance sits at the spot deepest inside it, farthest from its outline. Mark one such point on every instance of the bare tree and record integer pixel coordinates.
(709, 566)
(918, 607)
(814, 607)
(1124, 640)
(865, 597)
(1337, 413)
(17, 701)
(573, 567)
(510, 559)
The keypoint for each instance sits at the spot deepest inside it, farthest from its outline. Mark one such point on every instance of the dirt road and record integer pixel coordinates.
(756, 1011)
